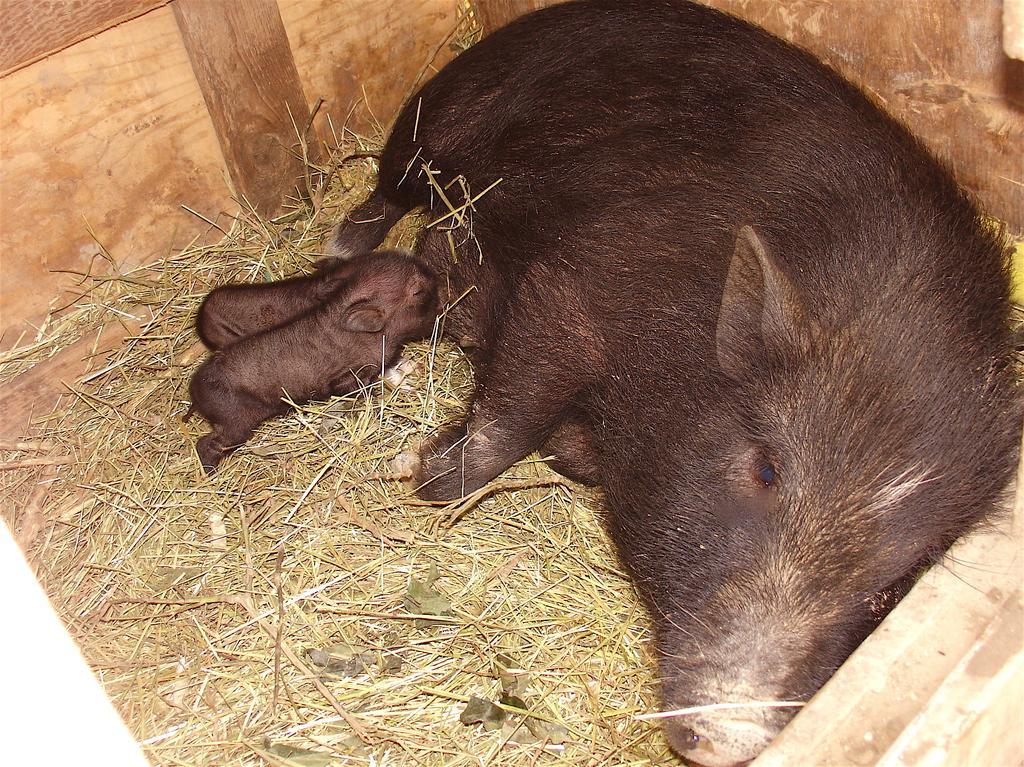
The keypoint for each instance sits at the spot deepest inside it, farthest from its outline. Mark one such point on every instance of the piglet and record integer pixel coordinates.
(232, 312)
(383, 301)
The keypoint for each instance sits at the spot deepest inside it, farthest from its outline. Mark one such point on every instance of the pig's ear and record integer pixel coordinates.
(761, 309)
(363, 317)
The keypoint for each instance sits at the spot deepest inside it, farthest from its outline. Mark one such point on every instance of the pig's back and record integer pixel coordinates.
(634, 138)
(593, 111)
(620, 91)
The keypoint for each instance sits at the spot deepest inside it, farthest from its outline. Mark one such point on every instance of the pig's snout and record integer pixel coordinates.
(725, 738)
(729, 717)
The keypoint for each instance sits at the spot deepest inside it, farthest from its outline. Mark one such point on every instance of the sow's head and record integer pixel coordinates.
(847, 442)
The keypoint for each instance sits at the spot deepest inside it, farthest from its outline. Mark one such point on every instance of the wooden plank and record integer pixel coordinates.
(494, 14)
(243, 62)
(38, 390)
(110, 135)
(977, 716)
(362, 58)
(92, 733)
(31, 30)
(922, 688)
(1013, 28)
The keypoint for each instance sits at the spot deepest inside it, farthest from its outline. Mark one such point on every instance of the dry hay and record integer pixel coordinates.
(302, 606)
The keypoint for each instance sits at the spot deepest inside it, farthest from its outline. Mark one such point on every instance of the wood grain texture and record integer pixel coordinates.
(111, 134)
(494, 14)
(363, 57)
(33, 29)
(242, 60)
(1013, 28)
(39, 390)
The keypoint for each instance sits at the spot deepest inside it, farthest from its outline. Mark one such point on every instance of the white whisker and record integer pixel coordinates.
(720, 707)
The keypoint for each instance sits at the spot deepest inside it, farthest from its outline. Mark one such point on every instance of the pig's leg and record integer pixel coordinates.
(362, 230)
(223, 440)
(572, 451)
(525, 392)
(211, 451)
(464, 457)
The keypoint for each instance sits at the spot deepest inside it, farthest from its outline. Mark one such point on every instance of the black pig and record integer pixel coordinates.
(232, 312)
(719, 280)
(383, 301)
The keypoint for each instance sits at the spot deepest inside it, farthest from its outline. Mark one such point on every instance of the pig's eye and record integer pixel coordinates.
(765, 473)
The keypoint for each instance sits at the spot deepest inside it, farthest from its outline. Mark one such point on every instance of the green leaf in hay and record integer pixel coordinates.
(482, 711)
(421, 598)
(517, 732)
(293, 756)
(341, 660)
(539, 729)
(555, 734)
(513, 701)
(514, 680)
(165, 577)
(391, 663)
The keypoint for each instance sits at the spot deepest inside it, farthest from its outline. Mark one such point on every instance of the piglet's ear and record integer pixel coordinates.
(363, 317)
(761, 309)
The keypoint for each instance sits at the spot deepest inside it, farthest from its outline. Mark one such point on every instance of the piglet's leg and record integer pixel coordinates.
(222, 441)
(211, 451)
(362, 230)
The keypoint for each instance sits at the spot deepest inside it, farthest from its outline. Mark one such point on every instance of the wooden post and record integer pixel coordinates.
(494, 14)
(243, 62)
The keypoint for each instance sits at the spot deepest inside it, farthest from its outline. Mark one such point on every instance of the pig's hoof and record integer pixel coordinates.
(210, 453)
(406, 464)
(444, 473)
(396, 375)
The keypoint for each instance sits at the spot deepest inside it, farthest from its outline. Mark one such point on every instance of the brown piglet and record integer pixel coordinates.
(232, 312)
(383, 301)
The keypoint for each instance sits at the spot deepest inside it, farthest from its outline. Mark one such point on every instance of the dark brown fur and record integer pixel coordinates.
(232, 312)
(717, 279)
(382, 301)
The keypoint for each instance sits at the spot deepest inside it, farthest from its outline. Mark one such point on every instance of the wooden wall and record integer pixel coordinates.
(106, 131)
(939, 65)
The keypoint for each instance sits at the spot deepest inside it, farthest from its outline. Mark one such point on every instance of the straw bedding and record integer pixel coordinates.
(302, 606)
